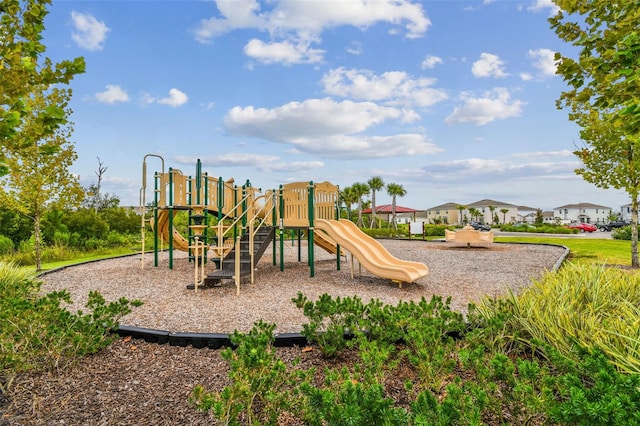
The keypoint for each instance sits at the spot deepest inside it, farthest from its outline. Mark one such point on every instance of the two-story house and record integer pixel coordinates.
(492, 211)
(447, 214)
(582, 212)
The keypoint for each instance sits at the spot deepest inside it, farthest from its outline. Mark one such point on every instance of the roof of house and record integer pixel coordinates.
(386, 208)
(582, 206)
(445, 206)
(487, 202)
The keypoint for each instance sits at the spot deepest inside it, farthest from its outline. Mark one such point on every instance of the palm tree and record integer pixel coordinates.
(461, 208)
(474, 213)
(375, 184)
(360, 190)
(504, 215)
(348, 198)
(395, 190)
(493, 209)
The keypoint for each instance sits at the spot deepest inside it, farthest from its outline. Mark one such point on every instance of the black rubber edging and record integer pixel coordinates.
(200, 340)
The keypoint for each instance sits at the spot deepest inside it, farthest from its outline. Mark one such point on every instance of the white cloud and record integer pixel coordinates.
(175, 99)
(525, 76)
(283, 52)
(543, 60)
(328, 128)
(228, 160)
(112, 95)
(499, 170)
(392, 87)
(294, 25)
(430, 62)
(290, 166)
(489, 65)
(540, 5)
(355, 48)
(89, 33)
(494, 105)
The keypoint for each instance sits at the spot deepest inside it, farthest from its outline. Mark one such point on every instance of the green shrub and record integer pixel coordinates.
(260, 389)
(593, 392)
(623, 233)
(38, 333)
(115, 239)
(6, 245)
(580, 306)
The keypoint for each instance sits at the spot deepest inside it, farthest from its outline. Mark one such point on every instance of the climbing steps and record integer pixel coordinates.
(227, 268)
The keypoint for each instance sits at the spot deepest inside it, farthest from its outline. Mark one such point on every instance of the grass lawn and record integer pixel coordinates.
(587, 251)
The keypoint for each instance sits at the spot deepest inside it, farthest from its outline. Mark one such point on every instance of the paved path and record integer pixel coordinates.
(594, 235)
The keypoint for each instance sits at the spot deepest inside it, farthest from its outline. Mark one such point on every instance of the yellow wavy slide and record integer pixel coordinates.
(179, 242)
(370, 253)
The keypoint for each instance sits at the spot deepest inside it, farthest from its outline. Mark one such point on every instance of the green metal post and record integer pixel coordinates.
(155, 221)
(311, 225)
(281, 228)
(170, 207)
(274, 218)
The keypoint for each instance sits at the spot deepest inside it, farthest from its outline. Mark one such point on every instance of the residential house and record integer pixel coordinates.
(527, 214)
(625, 212)
(447, 214)
(582, 212)
(504, 212)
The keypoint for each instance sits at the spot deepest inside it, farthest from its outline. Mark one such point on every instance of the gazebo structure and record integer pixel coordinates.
(386, 209)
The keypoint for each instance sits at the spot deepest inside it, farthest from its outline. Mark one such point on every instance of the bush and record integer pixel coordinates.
(6, 245)
(115, 239)
(38, 333)
(579, 307)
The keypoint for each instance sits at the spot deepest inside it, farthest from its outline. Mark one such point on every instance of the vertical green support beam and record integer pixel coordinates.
(198, 181)
(281, 228)
(220, 197)
(170, 207)
(155, 221)
(311, 195)
(190, 202)
(299, 245)
(274, 223)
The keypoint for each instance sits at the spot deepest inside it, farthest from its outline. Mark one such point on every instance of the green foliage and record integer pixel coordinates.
(347, 401)
(16, 226)
(260, 389)
(87, 224)
(21, 26)
(6, 245)
(539, 229)
(329, 320)
(578, 307)
(121, 220)
(39, 333)
(594, 392)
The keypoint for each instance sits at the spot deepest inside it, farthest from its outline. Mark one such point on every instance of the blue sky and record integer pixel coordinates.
(454, 100)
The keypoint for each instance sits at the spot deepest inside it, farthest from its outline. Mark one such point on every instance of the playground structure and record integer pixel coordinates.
(233, 225)
(468, 236)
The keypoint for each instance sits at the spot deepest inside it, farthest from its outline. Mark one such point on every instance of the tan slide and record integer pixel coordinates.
(179, 242)
(370, 253)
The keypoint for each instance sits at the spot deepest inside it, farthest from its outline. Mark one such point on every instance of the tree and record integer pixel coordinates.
(492, 209)
(604, 93)
(395, 190)
(504, 215)
(359, 190)
(539, 217)
(348, 198)
(461, 208)
(39, 177)
(21, 27)
(474, 213)
(375, 184)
